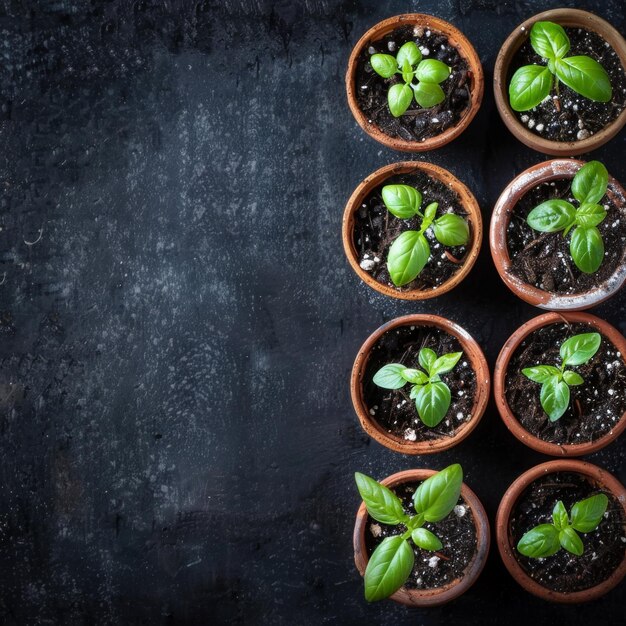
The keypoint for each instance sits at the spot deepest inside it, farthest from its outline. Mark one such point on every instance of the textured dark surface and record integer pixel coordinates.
(176, 433)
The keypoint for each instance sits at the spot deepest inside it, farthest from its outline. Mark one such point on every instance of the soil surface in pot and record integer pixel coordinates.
(604, 547)
(375, 229)
(570, 116)
(456, 532)
(595, 406)
(416, 124)
(392, 408)
(544, 260)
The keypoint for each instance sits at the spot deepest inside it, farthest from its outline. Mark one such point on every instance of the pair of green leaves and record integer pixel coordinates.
(431, 394)
(409, 64)
(392, 561)
(410, 252)
(556, 381)
(547, 539)
(532, 83)
(586, 245)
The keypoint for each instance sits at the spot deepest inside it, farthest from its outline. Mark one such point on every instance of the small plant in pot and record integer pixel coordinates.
(559, 383)
(421, 537)
(560, 529)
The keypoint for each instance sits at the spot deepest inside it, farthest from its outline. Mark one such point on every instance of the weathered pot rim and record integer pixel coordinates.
(566, 17)
(473, 353)
(499, 377)
(467, 201)
(553, 169)
(441, 595)
(507, 551)
(464, 48)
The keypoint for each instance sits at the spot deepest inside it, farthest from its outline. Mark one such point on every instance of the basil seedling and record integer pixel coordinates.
(586, 246)
(431, 394)
(392, 561)
(532, 83)
(429, 73)
(555, 381)
(410, 251)
(547, 539)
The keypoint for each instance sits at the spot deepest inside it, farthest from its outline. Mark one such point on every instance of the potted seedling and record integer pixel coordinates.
(412, 230)
(560, 83)
(559, 384)
(420, 384)
(421, 537)
(414, 82)
(560, 530)
(557, 235)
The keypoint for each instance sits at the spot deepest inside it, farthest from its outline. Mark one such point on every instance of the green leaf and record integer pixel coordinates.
(415, 376)
(587, 248)
(585, 76)
(403, 201)
(437, 495)
(529, 86)
(428, 94)
(407, 257)
(382, 504)
(578, 349)
(552, 216)
(451, 230)
(590, 215)
(432, 71)
(549, 40)
(426, 540)
(541, 373)
(388, 568)
(430, 212)
(559, 516)
(445, 363)
(384, 65)
(572, 378)
(399, 98)
(541, 541)
(590, 183)
(571, 541)
(426, 358)
(407, 72)
(554, 396)
(390, 376)
(414, 391)
(409, 52)
(432, 402)
(587, 514)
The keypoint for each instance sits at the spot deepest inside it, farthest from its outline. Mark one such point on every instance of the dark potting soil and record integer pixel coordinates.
(570, 116)
(595, 406)
(392, 408)
(456, 532)
(417, 124)
(544, 260)
(604, 547)
(375, 229)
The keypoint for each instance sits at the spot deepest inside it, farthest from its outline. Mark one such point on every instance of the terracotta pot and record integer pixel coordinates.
(474, 355)
(556, 169)
(508, 550)
(441, 595)
(456, 39)
(499, 375)
(564, 17)
(378, 178)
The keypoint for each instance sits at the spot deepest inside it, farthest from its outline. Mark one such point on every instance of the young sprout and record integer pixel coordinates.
(533, 83)
(547, 539)
(410, 252)
(408, 63)
(431, 394)
(589, 186)
(392, 561)
(555, 381)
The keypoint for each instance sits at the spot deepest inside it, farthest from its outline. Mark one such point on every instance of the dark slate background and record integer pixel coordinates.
(178, 320)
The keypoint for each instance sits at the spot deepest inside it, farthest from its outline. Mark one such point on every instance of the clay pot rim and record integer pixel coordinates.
(465, 50)
(499, 375)
(566, 17)
(553, 169)
(507, 551)
(474, 355)
(466, 200)
(440, 595)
